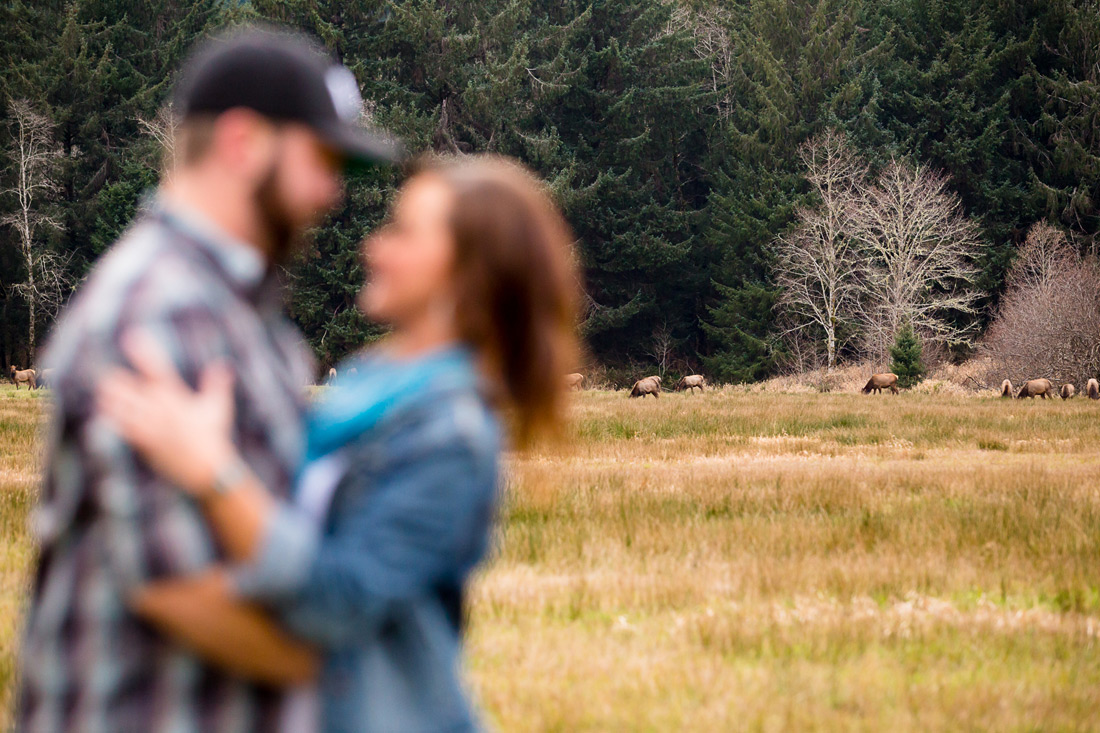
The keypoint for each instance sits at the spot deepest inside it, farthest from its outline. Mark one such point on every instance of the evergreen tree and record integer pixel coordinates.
(748, 353)
(668, 133)
(958, 92)
(1063, 147)
(906, 355)
(94, 66)
(630, 119)
(600, 99)
(793, 70)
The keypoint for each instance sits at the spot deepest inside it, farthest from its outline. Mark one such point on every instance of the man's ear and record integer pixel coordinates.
(245, 141)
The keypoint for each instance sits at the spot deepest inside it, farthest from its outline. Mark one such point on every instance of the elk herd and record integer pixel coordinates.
(651, 385)
(1044, 388)
(1032, 388)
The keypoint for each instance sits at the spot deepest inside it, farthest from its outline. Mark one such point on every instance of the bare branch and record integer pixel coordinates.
(162, 128)
(818, 265)
(1048, 323)
(921, 251)
(663, 348)
(34, 154)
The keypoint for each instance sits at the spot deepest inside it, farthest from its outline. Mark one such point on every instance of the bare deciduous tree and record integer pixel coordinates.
(1048, 323)
(34, 153)
(870, 256)
(818, 264)
(713, 43)
(801, 351)
(920, 250)
(162, 128)
(663, 348)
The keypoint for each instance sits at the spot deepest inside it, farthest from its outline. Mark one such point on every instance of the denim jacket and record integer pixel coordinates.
(378, 583)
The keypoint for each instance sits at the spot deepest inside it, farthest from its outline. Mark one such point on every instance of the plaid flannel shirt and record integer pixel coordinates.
(105, 524)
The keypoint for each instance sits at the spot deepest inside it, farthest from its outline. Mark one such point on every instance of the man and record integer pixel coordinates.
(267, 124)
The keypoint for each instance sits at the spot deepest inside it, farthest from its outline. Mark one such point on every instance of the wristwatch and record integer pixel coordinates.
(229, 476)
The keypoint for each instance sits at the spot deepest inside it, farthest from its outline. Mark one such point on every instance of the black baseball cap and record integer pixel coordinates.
(285, 77)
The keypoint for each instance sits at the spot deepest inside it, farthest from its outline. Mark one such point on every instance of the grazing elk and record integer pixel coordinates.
(1036, 388)
(45, 378)
(24, 376)
(332, 374)
(574, 381)
(647, 385)
(1093, 389)
(1067, 391)
(692, 382)
(879, 382)
(1006, 389)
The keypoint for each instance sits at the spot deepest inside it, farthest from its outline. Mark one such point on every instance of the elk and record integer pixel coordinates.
(879, 382)
(574, 381)
(1093, 389)
(647, 385)
(1006, 389)
(692, 382)
(1036, 388)
(1067, 391)
(24, 376)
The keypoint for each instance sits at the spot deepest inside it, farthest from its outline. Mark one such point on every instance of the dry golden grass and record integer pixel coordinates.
(21, 414)
(765, 561)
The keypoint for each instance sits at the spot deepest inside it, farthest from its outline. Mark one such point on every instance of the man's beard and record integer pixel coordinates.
(281, 233)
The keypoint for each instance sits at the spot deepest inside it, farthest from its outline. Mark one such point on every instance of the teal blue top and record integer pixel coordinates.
(379, 582)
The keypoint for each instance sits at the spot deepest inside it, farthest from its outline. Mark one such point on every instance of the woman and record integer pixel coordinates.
(369, 564)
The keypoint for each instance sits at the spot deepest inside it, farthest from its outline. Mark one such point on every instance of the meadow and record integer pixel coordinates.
(766, 561)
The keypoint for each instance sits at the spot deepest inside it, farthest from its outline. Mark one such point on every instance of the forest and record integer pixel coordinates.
(691, 144)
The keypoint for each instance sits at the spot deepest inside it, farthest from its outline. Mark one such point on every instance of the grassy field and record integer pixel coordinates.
(770, 562)
(21, 413)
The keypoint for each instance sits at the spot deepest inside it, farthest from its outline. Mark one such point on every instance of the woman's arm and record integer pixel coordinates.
(418, 519)
(185, 436)
(240, 515)
(202, 614)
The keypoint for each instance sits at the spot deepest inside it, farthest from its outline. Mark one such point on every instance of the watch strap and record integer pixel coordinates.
(229, 476)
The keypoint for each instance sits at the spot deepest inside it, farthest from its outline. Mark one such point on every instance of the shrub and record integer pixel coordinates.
(907, 355)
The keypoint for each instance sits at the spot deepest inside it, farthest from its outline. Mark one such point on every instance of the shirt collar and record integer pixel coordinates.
(241, 262)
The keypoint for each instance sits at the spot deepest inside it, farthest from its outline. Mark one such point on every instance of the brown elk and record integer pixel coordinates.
(45, 378)
(647, 385)
(1006, 389)
(24, 376)
(1067, 391)
(1036, 388)
(879, 382)
(574, 381)
(692, 382)
(1093, 389)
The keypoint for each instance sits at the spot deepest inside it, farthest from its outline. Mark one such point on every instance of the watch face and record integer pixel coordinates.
(230, 475)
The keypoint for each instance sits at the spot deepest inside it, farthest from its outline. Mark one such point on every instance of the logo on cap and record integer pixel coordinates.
(344, 90)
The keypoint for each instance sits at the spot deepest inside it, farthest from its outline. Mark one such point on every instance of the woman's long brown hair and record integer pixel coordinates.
(517, 287)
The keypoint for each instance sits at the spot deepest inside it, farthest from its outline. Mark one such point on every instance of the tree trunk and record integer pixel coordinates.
(6, 335)
(30, 333)
(32, 297)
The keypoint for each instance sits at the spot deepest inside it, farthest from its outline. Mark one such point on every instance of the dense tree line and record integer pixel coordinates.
(669, 131)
